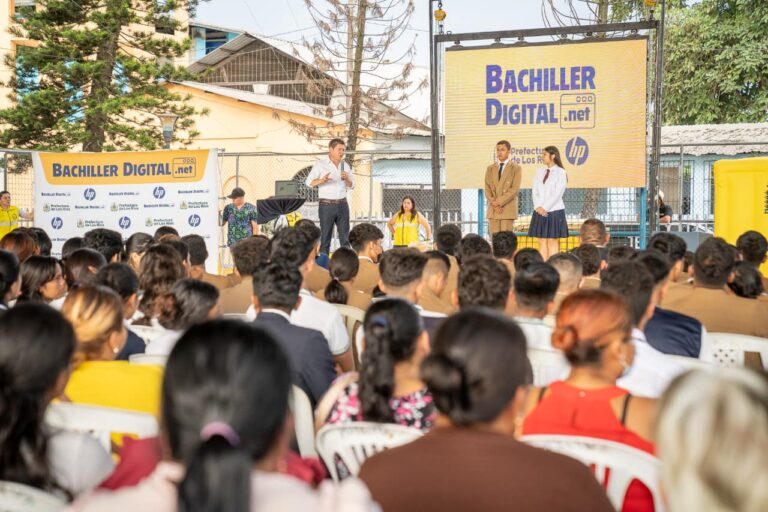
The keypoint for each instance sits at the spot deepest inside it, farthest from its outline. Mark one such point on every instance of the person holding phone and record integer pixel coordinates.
(333, 178)
(548, 223)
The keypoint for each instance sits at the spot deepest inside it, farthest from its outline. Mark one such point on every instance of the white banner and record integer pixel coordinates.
(128, 192)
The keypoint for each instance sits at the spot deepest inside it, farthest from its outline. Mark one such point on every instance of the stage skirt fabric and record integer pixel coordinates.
(553, 225)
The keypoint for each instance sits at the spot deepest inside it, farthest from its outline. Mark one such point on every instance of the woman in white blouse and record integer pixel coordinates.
(548, 224)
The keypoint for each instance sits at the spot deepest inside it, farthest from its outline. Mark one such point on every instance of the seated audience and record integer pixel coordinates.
(668, 331)
(121, 279)
(652, 371)
(319, 277)
(484, 282)
(81, 267)
(135, 247)
(710, 302)
(70, 246)
(42, 240)
(471, 245)
(10, 279)
(198, 254)
(106, 241)
(593, 330)
(36, 345)
(165, 233)
(447, 238)
(712, 433)
(753, 247)
(96, 314)
(42, 280)
(183, 249)
(276, 288)
(593, 231)
(401, 271)
(504, 245)
(434, 279)
(686, 276)
(187, 303)
(569, 268)
(478, 374)
(366, 240)
(20, 243)
(525, 256)
(673, 247)
(620, 254)
(294, 248)
(160, 268)
(535, 288)
(248, 255)
(226, 433)
(591, 265)
(342, 269)
(747, 281)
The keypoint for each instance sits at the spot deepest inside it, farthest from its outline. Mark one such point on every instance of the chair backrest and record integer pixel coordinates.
(304, 422)
(353, 320)
(690, 363)
(16, 497)
(729, 349)
(100, 422)
(355, 442)
(155, 359)
(146, 332)
(548, 366)
(615, 465)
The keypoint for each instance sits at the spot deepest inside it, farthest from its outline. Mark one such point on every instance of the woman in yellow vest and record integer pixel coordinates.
(96, 313)
(9, 215)
(404, 225)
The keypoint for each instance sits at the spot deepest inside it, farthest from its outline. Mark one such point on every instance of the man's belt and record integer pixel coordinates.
(332, 201)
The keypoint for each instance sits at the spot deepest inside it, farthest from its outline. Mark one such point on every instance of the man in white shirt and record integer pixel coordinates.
(535, 288)
(293, 247)
(570, 269)
(333, 178)
(652, 371)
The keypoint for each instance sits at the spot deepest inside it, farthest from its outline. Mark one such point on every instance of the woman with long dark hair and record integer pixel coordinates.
(82, 265)
(36, 345)
(42, 280)
(10, 278)
(404, 225)
(343, 268)
(548, 223)
(225, 430)
(160, 268)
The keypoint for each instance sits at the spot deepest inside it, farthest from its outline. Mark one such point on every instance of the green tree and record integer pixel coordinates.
(96, 76)
(716, 63)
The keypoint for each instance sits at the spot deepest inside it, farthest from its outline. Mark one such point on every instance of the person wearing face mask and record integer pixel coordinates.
(594, 332)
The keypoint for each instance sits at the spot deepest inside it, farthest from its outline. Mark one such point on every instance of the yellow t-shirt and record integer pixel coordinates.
(117, 384)
(406, 229)
(9, 220)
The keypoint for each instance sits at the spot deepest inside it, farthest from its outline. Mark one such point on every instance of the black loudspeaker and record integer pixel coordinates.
(286, 188)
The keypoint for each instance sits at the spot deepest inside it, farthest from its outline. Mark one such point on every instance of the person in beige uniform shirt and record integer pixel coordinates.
(502, 184)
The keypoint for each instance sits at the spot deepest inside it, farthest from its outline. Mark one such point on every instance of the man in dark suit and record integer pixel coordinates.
(275, 294)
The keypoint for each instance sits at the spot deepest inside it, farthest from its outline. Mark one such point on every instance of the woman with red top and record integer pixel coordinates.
(593, 329)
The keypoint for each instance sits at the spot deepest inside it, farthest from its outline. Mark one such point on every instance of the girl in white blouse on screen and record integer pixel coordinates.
(548, 223)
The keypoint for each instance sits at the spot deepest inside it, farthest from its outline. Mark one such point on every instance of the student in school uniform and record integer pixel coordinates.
(548, 223)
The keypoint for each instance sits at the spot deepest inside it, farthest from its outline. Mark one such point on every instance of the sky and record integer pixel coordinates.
(290, 20)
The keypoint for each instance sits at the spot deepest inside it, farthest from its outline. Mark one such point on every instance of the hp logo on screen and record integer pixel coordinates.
(194, 220)
(124, 223)
(158, 192)
(577, 151)
(89, 194)
(57, 223)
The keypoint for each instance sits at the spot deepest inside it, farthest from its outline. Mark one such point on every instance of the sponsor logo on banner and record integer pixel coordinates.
(57, 223)
(122, 207)
(194, 220)
(195, 191)
(159, 192)
(577, 151)
(112, 194)
(183, 205)
(124, 223)
(47, 207)
(153, 221)
(194, 205)
(89, 194)
(88, 223)
(184, 167)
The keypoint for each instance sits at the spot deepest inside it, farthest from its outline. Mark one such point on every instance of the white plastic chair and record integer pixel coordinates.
(155, 359)
(16, 497)
(353, 320)
(100, 422)
(548, 366)
(146, 332)
(304, 422)
(355, 442)
(690, 363)
(615, 465)
(728, 349)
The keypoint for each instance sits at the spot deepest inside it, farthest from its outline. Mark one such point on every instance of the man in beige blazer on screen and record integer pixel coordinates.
(502, 184)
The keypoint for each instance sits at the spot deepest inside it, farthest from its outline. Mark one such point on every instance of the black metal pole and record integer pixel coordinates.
(434, 115)
(653, 178)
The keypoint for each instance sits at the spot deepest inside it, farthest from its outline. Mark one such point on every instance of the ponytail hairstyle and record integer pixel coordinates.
(188, 302)
(478, 362)
(392, 328)
(95, 312)
(343, 267)
(9, 273)
(36, 344)
(224, 406)
(555, 154)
